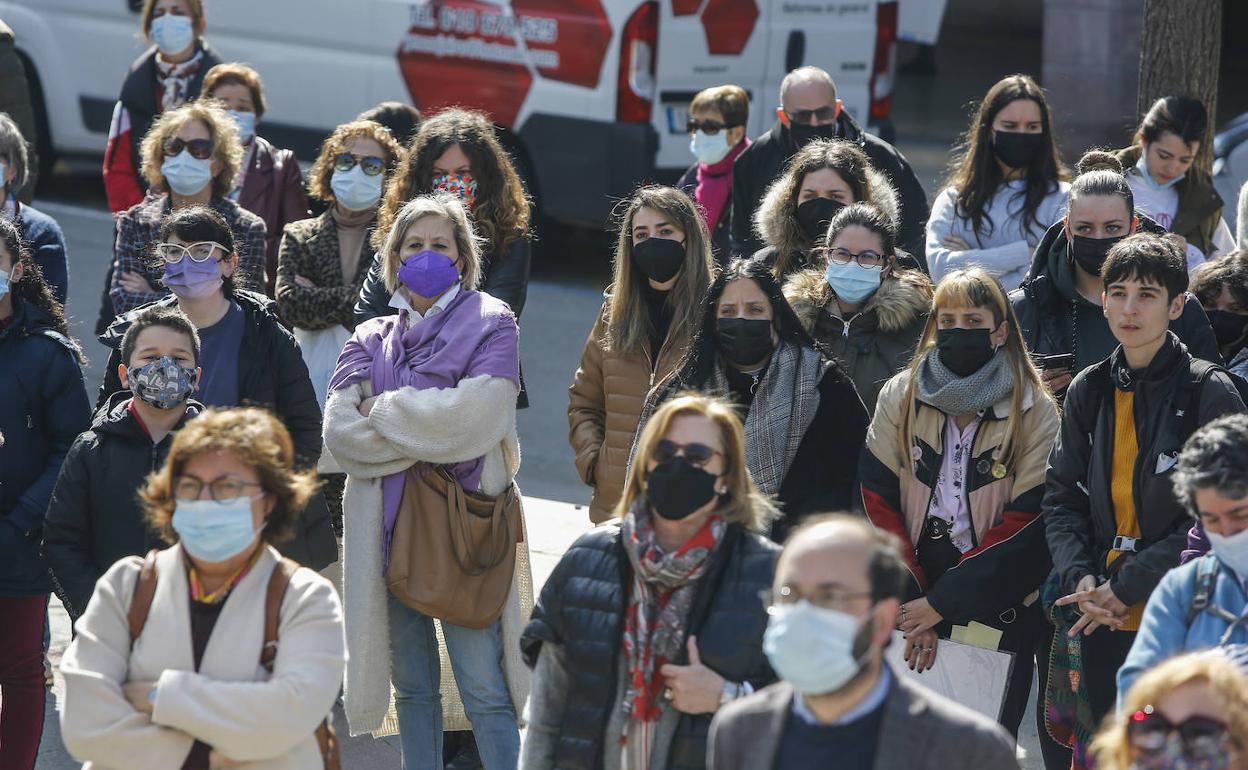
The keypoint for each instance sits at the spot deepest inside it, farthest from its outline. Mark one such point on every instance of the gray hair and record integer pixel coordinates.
(439, 204)
(803, 75)
(13, 151)
(1215, 457)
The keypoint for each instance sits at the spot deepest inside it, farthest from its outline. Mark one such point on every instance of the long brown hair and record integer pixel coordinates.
(628, 323)
(502, 208)
(975, 173)
(967, 288)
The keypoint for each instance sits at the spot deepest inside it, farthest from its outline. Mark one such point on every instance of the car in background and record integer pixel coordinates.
(1230, 165)
(590, 95)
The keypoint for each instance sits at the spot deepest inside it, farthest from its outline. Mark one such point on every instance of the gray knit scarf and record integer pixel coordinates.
(956, 395)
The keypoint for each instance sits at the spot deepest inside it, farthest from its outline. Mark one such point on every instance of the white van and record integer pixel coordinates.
(591, 95)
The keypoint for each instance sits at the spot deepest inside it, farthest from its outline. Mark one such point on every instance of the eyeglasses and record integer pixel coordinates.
(224, 489)
(1201, 737)
(370, 164)
(828, 598)
(200, 149)
(868, 259)
(200, 251)
(809, 117)
(697, 454)
(708, 127)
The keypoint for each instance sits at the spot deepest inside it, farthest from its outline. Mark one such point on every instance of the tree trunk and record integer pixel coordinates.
(1180, 50)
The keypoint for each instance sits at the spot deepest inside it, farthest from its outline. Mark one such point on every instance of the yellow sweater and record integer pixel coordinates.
(1126, 450)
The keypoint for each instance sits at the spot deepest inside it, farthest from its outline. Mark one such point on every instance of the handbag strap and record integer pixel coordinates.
(279, 580)
(500, 540)
(144, 592)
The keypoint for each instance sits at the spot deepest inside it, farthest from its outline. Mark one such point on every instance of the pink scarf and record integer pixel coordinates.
(715, 184)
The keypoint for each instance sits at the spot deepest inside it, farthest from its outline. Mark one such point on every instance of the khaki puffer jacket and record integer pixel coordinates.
(604, 405)
(878, 342)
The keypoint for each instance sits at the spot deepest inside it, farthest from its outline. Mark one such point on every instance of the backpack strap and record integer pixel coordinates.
(279, 581)
(144, 591)
(1206, 575)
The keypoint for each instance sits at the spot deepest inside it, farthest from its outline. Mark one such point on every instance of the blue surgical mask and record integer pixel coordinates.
(172, 34)
(710, 149)
(812, 648)
(354, 190)
(246, 122)
(1232, 550)
(4, 284)
(186, 175)
(214, 531)
(852, 282)
(1141, 165)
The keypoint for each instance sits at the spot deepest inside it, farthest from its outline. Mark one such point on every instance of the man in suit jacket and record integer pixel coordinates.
(834, 606)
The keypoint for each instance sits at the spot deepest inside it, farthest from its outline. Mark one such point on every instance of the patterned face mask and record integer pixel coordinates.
(163, 383)
(461, 185)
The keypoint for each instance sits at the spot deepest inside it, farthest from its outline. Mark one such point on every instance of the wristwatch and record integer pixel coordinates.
(731, 692)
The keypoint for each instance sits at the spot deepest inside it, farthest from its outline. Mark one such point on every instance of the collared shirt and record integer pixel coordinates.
(398, 301)
(875, 698)
(951, 499)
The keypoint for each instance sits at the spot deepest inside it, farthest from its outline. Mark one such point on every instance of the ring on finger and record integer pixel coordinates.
(668, 694)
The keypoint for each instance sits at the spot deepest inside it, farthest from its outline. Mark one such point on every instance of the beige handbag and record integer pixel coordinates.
(452, 552)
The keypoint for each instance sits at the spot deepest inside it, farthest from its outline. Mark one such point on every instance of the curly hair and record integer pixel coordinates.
(337, 142)
(258, 439)
(502, 209)
(227, 149)
(32, 288)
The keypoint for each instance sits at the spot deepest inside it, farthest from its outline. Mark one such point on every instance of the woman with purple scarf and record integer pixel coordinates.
(436, 383)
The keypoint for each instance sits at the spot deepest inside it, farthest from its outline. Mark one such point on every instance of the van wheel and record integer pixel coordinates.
(43, 131)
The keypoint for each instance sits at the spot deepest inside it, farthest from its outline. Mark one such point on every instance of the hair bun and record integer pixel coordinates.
(1098, 160)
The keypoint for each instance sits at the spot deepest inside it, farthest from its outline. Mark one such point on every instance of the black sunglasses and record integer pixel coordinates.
(1201, 737)
(808, 117)
(200, 149)
(370, 164)
(708, 127)
(697, 454)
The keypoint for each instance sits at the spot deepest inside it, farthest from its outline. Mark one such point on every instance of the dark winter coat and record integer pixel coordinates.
(43, 406)
(46, 242)
(95, 517)
(1078, 509)
(763, 162)
(1055, 318)
(582, 610)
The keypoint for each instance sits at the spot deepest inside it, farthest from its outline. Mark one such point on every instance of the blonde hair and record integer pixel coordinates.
(628, 323)
(447, 207)
(743, 503)
(322, 172)
(968, 288)
(254, 436)
(1112, 748)
(227, 150)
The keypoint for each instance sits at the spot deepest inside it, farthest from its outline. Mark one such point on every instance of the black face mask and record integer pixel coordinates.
(659, 259)
(1090, 253)
(1016, 149)
(675, 489)
(815, 215)
(964, 351)
(1228, 328)
(803, 134)
(744, 341)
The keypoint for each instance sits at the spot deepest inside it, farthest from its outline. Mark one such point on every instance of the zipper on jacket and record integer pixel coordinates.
(62, 594)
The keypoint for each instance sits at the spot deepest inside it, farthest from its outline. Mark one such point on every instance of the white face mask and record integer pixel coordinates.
(1232, 550)
(710, 149)
(812, 648)
(172, 34)
(186, 175)
(354, 190)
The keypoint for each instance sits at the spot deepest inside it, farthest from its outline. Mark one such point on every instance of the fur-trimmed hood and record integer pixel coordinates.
(901, 298)
(776, 223)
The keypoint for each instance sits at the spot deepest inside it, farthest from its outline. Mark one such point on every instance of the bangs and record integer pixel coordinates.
(963, 289)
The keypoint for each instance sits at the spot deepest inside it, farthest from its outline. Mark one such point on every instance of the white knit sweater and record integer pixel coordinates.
(477, 418)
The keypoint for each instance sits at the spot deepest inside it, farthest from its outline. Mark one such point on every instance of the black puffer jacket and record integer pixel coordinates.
(1078, 510)
(1055, 318)
(95, 518)
(762, 163)
(582, 609)
(272, 375)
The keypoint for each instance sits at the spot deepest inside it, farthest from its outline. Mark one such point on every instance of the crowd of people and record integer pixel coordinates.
(818, 420)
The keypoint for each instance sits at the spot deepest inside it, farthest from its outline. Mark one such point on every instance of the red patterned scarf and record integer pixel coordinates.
(659, 605)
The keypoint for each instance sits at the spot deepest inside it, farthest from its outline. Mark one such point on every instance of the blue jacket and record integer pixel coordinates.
(1164, 631)
(47, 243)
(43, 407)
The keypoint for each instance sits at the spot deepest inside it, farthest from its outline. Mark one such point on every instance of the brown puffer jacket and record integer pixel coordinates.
(604, 405)
(878, 342)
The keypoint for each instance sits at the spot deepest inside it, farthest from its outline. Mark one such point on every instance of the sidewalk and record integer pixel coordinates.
(552, 526)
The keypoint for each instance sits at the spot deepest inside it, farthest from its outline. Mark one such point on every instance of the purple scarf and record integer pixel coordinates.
(469, 338)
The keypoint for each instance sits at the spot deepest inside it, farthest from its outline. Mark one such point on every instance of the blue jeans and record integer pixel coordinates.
(477, 660)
